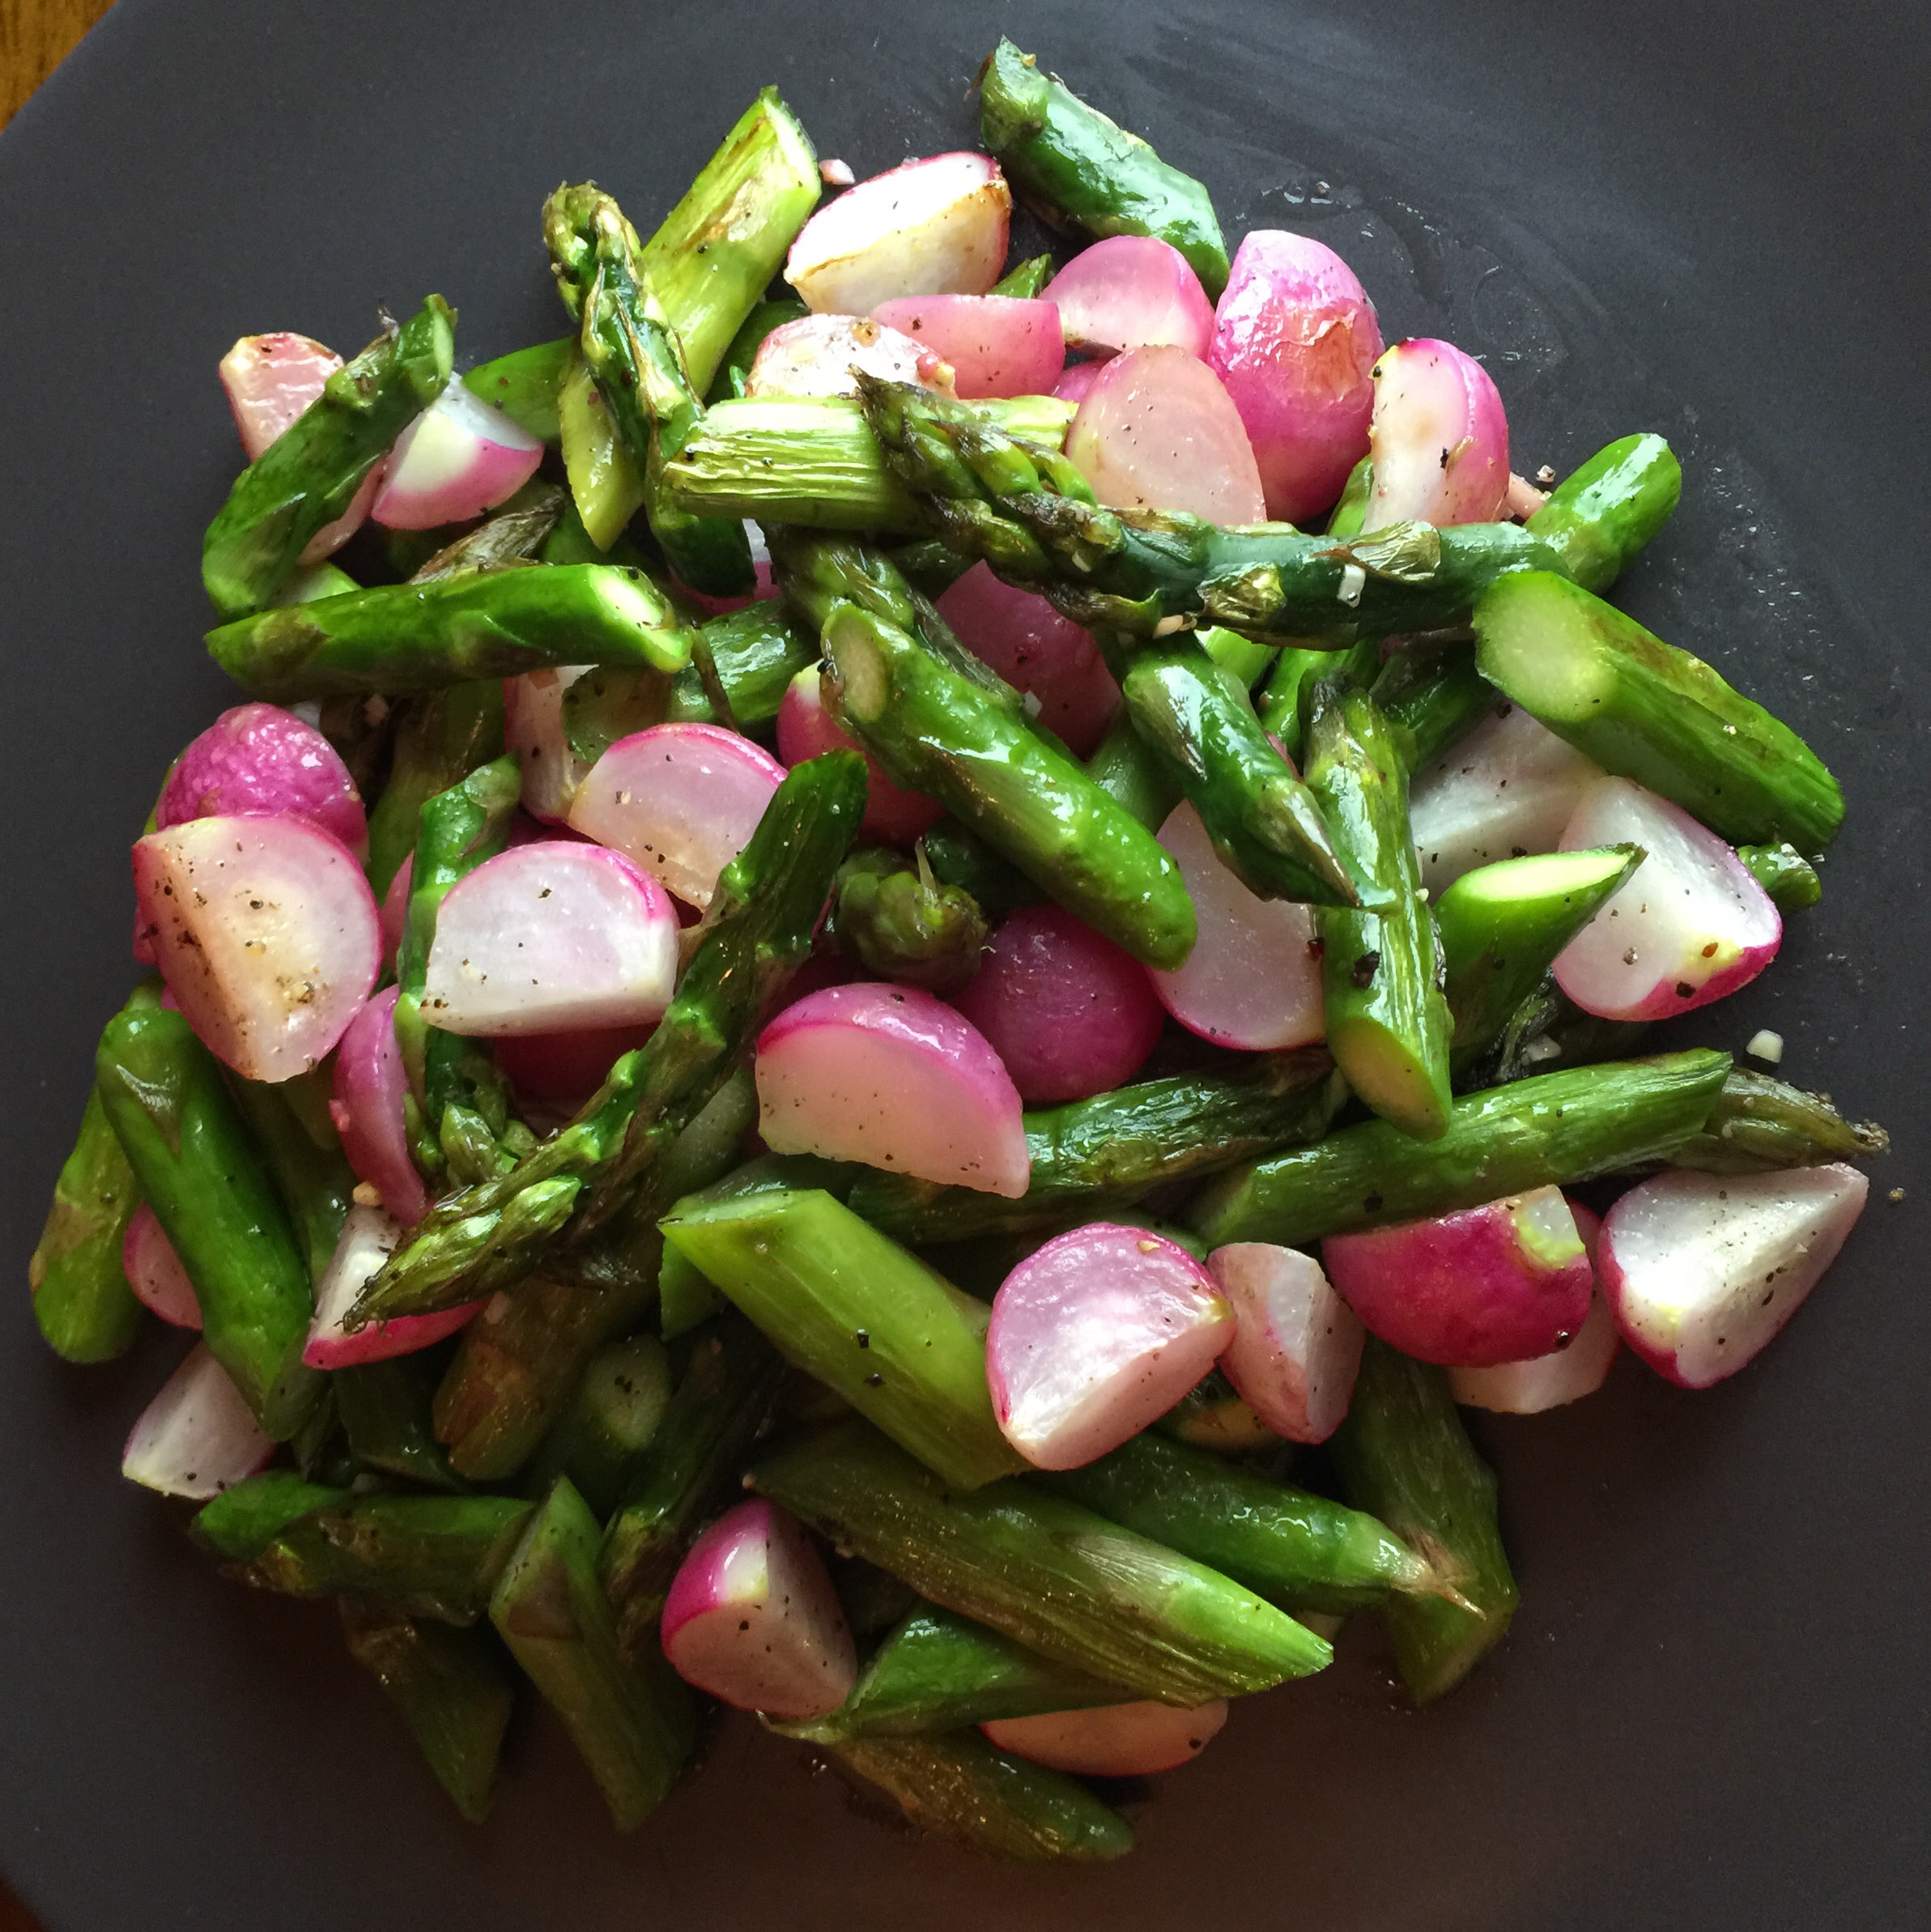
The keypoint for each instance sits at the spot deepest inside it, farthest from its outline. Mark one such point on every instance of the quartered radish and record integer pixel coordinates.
(994, 345)
(932, 227)
(807, 729)
(394, 910)
(197, 1437)
(1069, 1014)
(266, 932)
(894, 1078)
(1296, 1345)
(1131, 291)
(367, 1109)
(1509, 787)
(1156, 430)
(1691, 925)
(682, 801)
(155, 1272)
(1438, 438)
(1079, 377)
(552, 936)
(368, 1238)
(1111, 1740)
(752, 1618)
(566, 1066)
(1501, 1282)
(1701, 1271)
(459, 457)
(817, 354)
(532, 730)
(259, 758)
(1295, 341)
(1253, 979)
(1095, 1336)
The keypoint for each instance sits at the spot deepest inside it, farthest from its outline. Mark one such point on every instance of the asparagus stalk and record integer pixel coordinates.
(957, 858)
(1432, 693)
(605, 486)
(602, 1443)
(732, 372)
(516, 533)
(384, 1410)
(756, 651)
(634, 1725)
(1553, 1128)
(1598, 517)
(1350, 509)
(1024, 283)
(523, 385)
(1784, 874)
(1761, 1126)
(1050, 1575)
(1387, 1024)
(309, 474)
(443, 736)
(240, 1523)
(1127, 769)
(1296, 666)
(1402, 1454)
(900, 923)
(291, 1123)
(1078, 169)
(1645, 710)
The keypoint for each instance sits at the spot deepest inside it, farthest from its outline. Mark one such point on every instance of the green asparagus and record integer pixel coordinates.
(240, 1523)
(1784, 874)
(1127, 769)
(517, 532)
(385, 1411)
(1598, 517)
(602, 1443)
(900, 923)
(756, 651)
(523, 385)
(1433, 696)
(444, 735)
(291, 1123)
(1761, 1126)
(606, 487)
(1024, 283)
(1295, 666)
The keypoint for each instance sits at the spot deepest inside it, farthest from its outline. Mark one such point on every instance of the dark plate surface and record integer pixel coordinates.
(1707, 221)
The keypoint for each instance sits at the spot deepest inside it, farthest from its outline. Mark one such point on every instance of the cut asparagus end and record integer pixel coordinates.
(635, 601)
(1386, 1073)
(851, 643)
(1543, 644)
(1541, 879)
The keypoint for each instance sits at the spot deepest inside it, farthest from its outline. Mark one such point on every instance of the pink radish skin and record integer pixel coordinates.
(1112, 1740)
(894, 1078)
(1095, 1337)
(752, 1619)
(682, 801)
(1501, 1282)
(1069, 1013)
(1252, 981)
(532, 728)
(367, 1109)
(995, 345)
(1691, 925)
(266, 932)
(818, 354)
(395, 910)
(1156, 430)
(1079, 377)
(547, 937)
(459, 457)
(1132, 292)
(1295, 341)
(932, 227)
(197, 1437)
(259, 758)
(1296, 1345)
(807, 729)
(368, 1237)
(766, 589)
(1438, 438)
(155, 1272)
(1036, 650)
(1701, 1270)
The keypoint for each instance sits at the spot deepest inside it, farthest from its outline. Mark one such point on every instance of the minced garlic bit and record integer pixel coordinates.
(836, 174)
(1766, 1046)
(365, 1196)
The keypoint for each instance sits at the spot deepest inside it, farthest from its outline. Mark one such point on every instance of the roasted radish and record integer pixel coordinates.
(368, 1237)
(370, 1110)
(458, 458)
(1438, 438)
(805, 729)
(532, 730)
(197, 1437)
(154, 1271)
(1112, 1740)
(1296, 1343)
(1131, 291)
(994, 345)
(259, 758)
(819, 354)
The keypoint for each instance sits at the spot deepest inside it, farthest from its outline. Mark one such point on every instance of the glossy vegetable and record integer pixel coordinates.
(154, 1271)
(995, 345)
(1132, 292)
(197, 1437)
(1296, 1343)
(258, 758)
(1438, 440)
(1113, 1740)
(457, 460)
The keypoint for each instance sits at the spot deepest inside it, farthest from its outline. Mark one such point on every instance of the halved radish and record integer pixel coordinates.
(932, 227)
(259, 758)
(1079, 377)
(1509, 787)
(394, 910)
(807, 729)
(1253, 979)
(893, 1077)
(1156, 430)
(1295, 340)
(368, 1238)
(995, 345)
(1501, 1282)
(1111, 1740)
(1692, 924)
(1546, 1382)
(155, 1272)
(368, 1108)
(551, 936)
(1701, 1271)
(1095, 1337)
(460, 457)
(1131, 291)
(680, 800)
(817, 354)
(266, 932)
(752, 1617)
(568, 1067)
(1438, 438)
(197, 1437)
(1296, 1345)
(532, 728)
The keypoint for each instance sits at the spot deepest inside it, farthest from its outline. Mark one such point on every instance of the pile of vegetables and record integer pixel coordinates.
(819, 1112)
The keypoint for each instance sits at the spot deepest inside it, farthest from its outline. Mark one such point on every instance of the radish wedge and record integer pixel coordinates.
(1095, 1337)
(259, 758)
(934, 227)
(369, 1109)
(1079, 377)
(819, 354)
(1701, 1271)
(155, 1272)
(1501, 1282)
(459, 457)
(994, 345)
(532, 728)
(1439, 439)
(197, 1437)
(807, 729)
(1547, 1382)
(1132, 292)
(550, 936)
(893, 1077)
(1691, 925)
(566, 1067)
(1296, 1345)
(752, 1617)
(1111, 1740)
(266, 932)
(1253, 979)
(368, 1238)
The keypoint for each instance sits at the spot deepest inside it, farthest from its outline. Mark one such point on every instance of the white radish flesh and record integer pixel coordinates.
(259, 758)
(155, 1273)
(819, 354)
(1131, 291)
(1111, 1740)
(807, 729)
(532, 730)
(994, 345)
(368, 1108)
(1438, 438)
(459, 457)
(368, 1237)
(1297, 1345)
(197, 1437)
